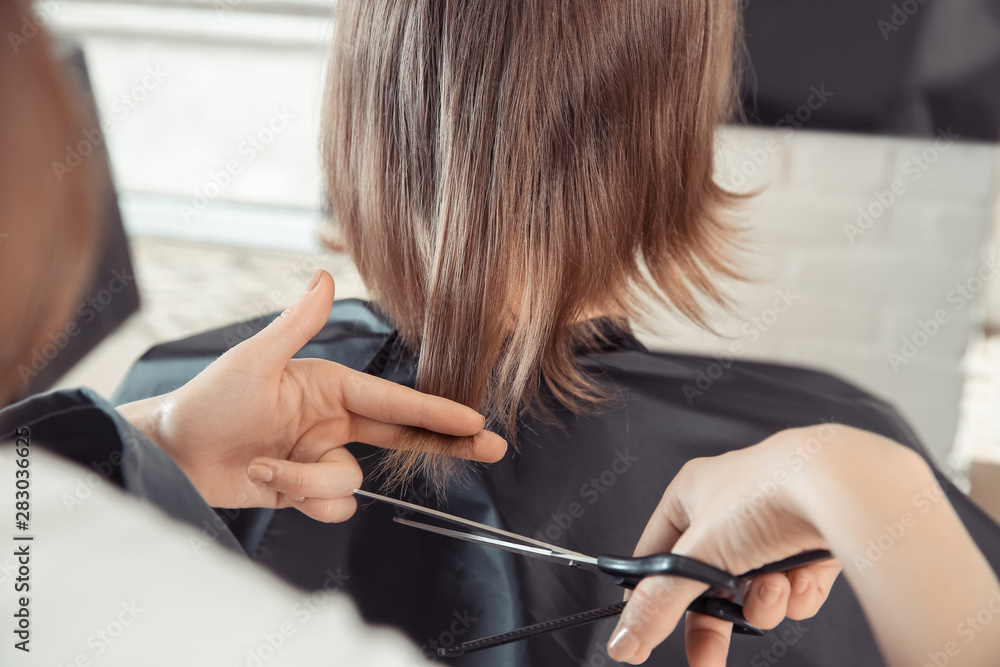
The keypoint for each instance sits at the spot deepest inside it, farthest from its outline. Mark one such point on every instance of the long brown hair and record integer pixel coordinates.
(502, 170)
(48, 220)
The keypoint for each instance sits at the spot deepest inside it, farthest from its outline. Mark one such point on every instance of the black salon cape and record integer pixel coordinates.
(590, 486)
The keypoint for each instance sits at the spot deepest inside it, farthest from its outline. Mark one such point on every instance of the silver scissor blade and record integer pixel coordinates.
(489, 530)
(585, 562)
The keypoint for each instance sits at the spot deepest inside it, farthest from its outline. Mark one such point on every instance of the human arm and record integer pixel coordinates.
(821, 487)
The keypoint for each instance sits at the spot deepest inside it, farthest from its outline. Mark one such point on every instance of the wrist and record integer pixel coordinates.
(857, 483)
(149, 416)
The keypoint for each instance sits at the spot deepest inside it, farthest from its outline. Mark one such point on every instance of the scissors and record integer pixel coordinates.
(624, 572)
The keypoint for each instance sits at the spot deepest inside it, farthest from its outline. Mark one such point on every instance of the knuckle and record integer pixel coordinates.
(688, 469)
(689, 474)
(298, 481)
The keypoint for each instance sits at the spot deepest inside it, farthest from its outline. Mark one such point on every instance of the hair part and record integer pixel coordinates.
(502, 171)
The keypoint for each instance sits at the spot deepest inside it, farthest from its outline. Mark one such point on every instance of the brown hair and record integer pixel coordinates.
(504, 170)
(48, 222)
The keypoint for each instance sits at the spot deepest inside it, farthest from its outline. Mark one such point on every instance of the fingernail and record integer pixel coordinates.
(298, 499)
(315, 280)
(623, 644)
(484, 421)
(260, 474)
(800, 585)
(769, 595)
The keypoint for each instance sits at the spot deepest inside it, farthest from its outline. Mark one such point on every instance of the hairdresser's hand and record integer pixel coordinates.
(260, 429)
(737, 512)
(831, 487)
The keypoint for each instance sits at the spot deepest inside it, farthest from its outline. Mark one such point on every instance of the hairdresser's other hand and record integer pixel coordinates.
(260, 429)
(733, 511)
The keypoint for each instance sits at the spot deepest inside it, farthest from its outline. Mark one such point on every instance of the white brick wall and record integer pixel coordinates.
(860, 290)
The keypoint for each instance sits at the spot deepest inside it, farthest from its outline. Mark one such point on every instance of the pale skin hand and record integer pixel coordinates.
(828, 487)
(256, 411)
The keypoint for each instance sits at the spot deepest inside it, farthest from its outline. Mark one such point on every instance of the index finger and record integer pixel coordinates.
(485, 446)
(385, 401)
(664, 528)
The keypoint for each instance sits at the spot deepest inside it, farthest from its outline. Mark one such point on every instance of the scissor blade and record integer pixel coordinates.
(586, 562)
(489, 530)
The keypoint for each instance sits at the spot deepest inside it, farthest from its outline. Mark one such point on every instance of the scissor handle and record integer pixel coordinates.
(727, 611)
(628, 572)
(790, 563)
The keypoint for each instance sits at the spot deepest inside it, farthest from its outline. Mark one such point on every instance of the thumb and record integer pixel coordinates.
(652, 613)
(296, 326)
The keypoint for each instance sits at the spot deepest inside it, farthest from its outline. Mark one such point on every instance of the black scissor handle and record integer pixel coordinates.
(727, 611)
(790, 563)
(628, 572)
(715, 607)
